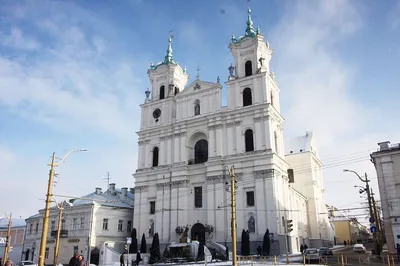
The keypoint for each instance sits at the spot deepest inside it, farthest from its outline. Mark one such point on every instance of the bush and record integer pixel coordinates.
(143, 245)
(266, 248)
(133, 248)
(155, 250)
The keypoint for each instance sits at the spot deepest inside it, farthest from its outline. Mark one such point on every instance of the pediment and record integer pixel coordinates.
(198, 86)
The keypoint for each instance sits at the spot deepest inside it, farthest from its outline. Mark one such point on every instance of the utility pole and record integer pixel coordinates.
(7, 246)
(377, 218)
(46, 214)
(233, 206)
(60, 213)
(49, 195)
(371, 212)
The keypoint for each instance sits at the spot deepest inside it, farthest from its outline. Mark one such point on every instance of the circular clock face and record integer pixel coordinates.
(156, 113)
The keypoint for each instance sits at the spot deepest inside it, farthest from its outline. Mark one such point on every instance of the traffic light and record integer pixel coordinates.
(289, 226)
(126, 247)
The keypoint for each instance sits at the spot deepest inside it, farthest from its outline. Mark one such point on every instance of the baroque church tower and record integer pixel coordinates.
(187, 140)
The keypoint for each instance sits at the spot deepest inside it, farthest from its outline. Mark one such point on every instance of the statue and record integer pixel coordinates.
(251, 224)
(218, 81)
(185, 235)
(231, 68)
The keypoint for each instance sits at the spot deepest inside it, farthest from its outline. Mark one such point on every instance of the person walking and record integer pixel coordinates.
(121, 260)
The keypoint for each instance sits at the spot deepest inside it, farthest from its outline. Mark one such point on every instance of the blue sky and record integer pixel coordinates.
(73, 73)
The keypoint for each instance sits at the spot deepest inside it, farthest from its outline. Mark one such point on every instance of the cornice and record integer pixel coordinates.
(261, 174)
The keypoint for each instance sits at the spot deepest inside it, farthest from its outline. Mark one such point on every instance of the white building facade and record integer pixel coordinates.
(301, 154)
(87, 222)
(16, 239)
(187, 141)
(387, 164)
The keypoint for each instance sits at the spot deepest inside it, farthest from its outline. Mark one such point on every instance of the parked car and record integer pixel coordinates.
(325, 251)
(359, 248)
(312, 254)
(26, 263)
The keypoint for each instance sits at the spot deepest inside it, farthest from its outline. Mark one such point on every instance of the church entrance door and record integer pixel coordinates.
(198, 232)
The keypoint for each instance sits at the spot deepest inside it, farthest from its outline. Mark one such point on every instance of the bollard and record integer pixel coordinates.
(304, 260)
(392, 260)
(274, 260)
(388, 260)
(287, 258)
(342, 260)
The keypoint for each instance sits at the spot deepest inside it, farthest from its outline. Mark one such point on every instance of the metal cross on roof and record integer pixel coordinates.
(198, 72)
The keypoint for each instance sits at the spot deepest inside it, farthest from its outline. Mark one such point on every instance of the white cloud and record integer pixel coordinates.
(316, 86)
(80, 88)
(16, 39)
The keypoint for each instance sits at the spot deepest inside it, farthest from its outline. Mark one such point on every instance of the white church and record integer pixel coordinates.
(188, 140)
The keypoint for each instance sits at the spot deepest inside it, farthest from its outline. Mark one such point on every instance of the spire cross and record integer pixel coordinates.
(198, 72)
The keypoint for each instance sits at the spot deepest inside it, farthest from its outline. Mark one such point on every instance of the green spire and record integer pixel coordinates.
(250, 32)
(169, 59)
(258, 30)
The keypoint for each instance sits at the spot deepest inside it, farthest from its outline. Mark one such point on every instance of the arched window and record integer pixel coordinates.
(248, 68)
(201, 151)
(249, 140)
(197, 107)
(162, 92)
(151, 228)
(251, 225)
(155, 156)
(276, 141)
(247, 99)
(272, 99)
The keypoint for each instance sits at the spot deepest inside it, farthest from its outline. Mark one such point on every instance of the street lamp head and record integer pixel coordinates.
(345, 170)
(82, 150)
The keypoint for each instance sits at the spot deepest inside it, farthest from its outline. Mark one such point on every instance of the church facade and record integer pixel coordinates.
(188, 140)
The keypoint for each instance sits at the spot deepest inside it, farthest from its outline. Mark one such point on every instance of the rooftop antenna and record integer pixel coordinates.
(107, 179)
(198, 72)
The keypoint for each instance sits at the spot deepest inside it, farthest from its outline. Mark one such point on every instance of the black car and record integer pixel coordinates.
(325, 251)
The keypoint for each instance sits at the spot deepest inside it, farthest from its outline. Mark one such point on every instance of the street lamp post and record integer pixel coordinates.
(368, 191)
(49, 194)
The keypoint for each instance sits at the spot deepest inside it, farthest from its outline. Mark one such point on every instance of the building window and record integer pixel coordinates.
(46, 253)
(198, 197)
(250, 198)
(151, 228)
(120, 225)
(176, 90)
(105, 224)
(155, 156)
(272, 99)
(37, 228)
(63, 224)
(248, 68)
(76, 250)
(53, 226)
(247, 98)
(74, 223)
(249, 140)
(162, 92)
(251, 225)
(197, 107)
(152, 207)
(201, 151)
(129, 226)
(276, 141)
(82, 222)
(30, 228)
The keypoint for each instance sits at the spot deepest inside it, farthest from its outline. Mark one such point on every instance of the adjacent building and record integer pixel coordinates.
(188, 141)
(87, 222)
(387, 164)
(302, 156)
(348, 229)
(16, 239)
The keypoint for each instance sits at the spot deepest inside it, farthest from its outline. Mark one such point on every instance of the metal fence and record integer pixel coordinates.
(340, 259)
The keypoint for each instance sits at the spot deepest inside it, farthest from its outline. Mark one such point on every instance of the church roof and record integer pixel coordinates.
(169, 57)
(300, 144)
(250, 32)
(198, 85)
(14, 223)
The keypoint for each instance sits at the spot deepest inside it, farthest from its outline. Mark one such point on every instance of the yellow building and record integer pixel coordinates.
(349, 230)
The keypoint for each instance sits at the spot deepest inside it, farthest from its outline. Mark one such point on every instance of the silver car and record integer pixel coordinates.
(312, 254)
